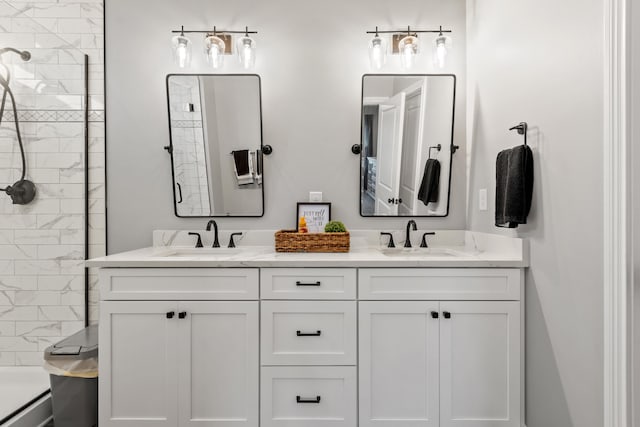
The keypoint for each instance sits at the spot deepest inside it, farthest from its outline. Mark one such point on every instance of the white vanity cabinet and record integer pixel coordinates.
(179, 362)
(311, 347)
(448, 356)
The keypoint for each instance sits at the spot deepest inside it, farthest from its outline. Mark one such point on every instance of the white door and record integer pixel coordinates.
(398, 364)
(218, 364)
(480, 364)
(411, 141)
(390, 128)
(138, 364)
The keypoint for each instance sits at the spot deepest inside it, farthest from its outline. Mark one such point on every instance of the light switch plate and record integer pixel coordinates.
(315, 196)
(482, 199)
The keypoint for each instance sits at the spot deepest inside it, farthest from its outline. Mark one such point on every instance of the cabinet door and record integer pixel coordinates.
(398, 364)
(138, 378)
(480, 364)
(218, 364)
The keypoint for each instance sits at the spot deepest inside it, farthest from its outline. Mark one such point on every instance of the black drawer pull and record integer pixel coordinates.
(299, 283)
(302, 400)
(171, 314)
(182, 315)
(446, 314)
(434, 314)
(308, 334)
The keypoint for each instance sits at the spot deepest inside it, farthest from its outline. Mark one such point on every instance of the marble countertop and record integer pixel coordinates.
(448, 249)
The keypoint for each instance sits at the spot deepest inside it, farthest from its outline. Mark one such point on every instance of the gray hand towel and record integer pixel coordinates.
(514, 186)
(430, 186)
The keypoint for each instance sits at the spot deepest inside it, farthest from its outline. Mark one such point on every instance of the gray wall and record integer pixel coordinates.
(541, 61)
(311, 57)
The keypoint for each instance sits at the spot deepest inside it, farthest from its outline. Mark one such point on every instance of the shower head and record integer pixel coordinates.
(24, 54)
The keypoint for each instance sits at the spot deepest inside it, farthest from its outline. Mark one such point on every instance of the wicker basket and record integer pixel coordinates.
(292, 241)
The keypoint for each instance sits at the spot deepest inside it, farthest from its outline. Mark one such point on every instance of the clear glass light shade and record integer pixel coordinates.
(181, 50)
(441, 48)
(246, 48)
(408, 48)
(377, 52)
(214, 48)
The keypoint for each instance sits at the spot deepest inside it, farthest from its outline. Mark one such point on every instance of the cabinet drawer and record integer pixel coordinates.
(308, 332)
(308, 283)
(179, 283)
(308, 396)
(440, 283)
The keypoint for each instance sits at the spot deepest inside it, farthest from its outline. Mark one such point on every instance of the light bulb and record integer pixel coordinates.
(377, 52)
(246, 48)
(181, 51)
(214, 48)
(442, 46)
(408, 48)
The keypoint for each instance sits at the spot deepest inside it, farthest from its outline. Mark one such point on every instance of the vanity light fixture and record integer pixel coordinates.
(442, 46)
(217, 43)
(214, 48)
(377, 51)
(407, 45)
(181, 50)
(246, 48)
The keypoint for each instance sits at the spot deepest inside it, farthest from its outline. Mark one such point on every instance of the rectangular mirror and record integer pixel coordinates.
(215, 123)
(407, 144)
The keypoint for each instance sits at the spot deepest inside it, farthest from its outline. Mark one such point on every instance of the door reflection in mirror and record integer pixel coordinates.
(402, 117)
(216, 144)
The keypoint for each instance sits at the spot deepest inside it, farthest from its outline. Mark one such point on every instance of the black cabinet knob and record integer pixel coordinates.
(182, 315)
(446, 314)
(434, 315)
(171, 314)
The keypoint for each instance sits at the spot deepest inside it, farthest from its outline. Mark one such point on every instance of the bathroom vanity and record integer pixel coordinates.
(374, 337)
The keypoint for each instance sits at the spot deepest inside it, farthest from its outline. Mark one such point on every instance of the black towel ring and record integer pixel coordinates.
(522, 129)
(435, 147)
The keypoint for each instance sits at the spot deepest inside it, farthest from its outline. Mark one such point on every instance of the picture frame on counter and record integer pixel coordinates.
(317, 215)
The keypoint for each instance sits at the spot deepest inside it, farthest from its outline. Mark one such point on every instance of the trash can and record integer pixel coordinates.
(73, 367)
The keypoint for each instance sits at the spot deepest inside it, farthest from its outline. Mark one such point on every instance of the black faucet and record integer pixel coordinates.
(232, 244)
(199, 242)
(410, 224)
(424, 244)
(391, 243)
(216, 243)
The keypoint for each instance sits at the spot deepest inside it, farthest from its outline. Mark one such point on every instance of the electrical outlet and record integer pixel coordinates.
(315, 196)
(482, 199)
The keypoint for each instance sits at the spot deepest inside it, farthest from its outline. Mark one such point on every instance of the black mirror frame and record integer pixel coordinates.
(170, 147)
(454, 148)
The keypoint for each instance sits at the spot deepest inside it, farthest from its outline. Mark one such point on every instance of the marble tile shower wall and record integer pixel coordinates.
(42, 244)
(187, 136)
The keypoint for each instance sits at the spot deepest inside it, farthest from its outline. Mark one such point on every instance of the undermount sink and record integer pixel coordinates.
(196, 252)
(420, 252)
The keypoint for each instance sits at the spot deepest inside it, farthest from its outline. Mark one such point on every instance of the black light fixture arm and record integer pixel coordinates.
(408, 30)
(214, 31)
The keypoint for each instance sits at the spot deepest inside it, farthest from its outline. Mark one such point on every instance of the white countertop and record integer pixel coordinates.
(447, 249)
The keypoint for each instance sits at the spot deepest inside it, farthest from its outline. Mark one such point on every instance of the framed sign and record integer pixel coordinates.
(317, 215)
